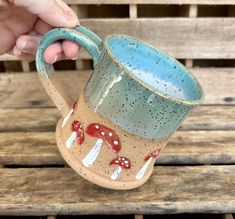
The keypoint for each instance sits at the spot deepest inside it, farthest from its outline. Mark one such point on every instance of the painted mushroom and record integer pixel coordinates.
(122, 163)
(104, 135)
(148, 160)
(77, 133)
(66, 118)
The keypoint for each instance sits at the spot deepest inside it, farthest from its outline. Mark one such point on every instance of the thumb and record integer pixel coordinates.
(54, 12)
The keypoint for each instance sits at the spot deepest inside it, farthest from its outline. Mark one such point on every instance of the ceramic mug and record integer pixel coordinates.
(133, 102)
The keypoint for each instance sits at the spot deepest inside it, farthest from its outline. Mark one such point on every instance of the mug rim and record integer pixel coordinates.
(156, 91)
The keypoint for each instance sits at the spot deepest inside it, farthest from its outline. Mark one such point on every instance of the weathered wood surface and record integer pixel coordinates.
(183, 38)
(185, 147)
(7, 57)
(45, 119)
(25, 90)
(180, 37)
(204, 189)
(228, 216)
(165, 2)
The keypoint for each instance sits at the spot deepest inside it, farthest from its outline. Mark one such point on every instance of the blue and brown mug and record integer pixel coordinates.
(133, 102)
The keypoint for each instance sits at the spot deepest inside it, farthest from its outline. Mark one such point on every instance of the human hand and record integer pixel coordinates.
(24, 22)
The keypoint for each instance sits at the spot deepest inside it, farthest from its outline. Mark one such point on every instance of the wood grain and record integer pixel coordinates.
(182, 38)
(25, 89)
(51, 191)
(139, 216)
(200, 2)
(45, 119)
(185, 147)
(227, 216)
(7, 57)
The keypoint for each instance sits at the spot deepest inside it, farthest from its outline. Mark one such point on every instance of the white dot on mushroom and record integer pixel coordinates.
(102, 133)
(115, 142)
(97, 127)
(110, 134)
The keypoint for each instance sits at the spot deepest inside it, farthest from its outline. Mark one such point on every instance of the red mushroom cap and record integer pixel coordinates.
(77, 127)
(106, 134)
(122, 162)
(153, 154)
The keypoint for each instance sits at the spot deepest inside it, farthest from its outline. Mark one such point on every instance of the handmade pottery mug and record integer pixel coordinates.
(133, 102)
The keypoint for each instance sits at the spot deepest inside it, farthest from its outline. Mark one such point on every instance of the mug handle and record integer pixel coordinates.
(80, 35)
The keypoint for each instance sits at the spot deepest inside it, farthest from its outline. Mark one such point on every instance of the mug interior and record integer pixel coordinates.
(155, 69)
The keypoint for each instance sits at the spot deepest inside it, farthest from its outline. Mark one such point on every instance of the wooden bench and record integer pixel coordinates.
(194, 174)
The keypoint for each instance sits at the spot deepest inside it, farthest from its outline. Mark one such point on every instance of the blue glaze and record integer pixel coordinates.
(80, 35)
(134, 85)
(140, 88)
(154, 68)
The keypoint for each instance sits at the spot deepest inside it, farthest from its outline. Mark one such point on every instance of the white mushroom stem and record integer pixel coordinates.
(116, 173)
(142, 171)
(71, 140)
(66, 118)
(93, 153)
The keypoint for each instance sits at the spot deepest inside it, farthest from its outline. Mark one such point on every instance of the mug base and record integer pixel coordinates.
(90, 175)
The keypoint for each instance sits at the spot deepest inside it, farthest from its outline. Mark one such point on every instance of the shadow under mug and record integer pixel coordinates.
(135, 99)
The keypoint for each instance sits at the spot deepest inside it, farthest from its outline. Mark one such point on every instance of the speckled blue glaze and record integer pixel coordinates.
(134, 85)
(79, 35)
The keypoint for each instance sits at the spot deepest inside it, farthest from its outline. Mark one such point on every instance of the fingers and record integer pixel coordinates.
(59, 51)
(42, 27)
(70, 49)
(26, 48)
(28, 44)
(54, 12)
(22, 56)
(7, 40)
(53, 53)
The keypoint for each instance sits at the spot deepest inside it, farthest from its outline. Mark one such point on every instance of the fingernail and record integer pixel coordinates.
(55, 59)
(75, 57)
(28, 46)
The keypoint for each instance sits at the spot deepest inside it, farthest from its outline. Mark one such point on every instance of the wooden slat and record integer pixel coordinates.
(191, 38)
(183, 38)
(228, 216)
(7, 57)
(139, 216)
(133, 12)
(29, 149)
(40, 120)
(25, 90)
(204, 189)
(51, 217)
(185, 147)
(200, 2)
(25, 66)
(45, 119)
(192, 12)
(199, 147)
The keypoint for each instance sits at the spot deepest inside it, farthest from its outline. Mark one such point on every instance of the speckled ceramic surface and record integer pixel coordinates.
(135, 99)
